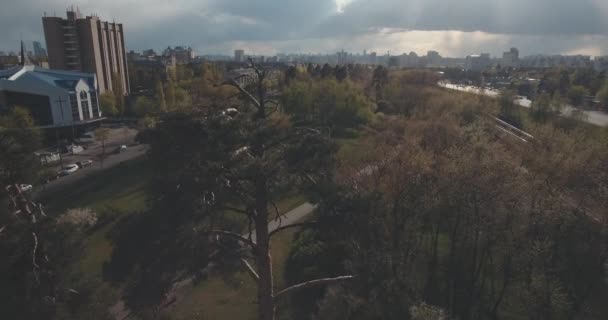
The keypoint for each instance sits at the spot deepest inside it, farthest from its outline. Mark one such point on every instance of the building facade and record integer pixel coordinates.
(88, 45)
(239, 55)
(54, 98)
(510, 58)
(39, 52)
(478, 62)
(182, 55)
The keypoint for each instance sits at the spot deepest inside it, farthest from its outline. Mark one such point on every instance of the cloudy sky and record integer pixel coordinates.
(452, 27)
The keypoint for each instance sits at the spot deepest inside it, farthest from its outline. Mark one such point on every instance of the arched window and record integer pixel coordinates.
(83, 95)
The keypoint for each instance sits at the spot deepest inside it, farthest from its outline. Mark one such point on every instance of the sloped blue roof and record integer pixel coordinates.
(7, 73)
(60, 78)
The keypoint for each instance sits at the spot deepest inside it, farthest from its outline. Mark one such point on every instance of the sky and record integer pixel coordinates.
(455, 28)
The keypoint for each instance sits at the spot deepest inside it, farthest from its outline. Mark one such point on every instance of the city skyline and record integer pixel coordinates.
(327, 26)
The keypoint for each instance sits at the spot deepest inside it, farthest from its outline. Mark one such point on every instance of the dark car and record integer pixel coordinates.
(120, 149)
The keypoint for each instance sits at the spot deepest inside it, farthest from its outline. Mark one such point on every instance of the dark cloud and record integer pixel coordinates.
(563, 17)
(316, 25)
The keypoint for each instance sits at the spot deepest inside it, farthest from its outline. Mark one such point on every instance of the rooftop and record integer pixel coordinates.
(60, 78)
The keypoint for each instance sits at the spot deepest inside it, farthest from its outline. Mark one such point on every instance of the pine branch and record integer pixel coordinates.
(236, 236)
(293, 225)
(311, 284)
(252, 272)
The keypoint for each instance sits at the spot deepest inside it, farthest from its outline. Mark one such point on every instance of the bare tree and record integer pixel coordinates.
(101, 134)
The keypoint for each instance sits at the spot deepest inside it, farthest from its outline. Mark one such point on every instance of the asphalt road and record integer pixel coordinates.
(111, 160)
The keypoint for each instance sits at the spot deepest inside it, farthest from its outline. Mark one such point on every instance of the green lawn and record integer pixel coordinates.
(121, 191)
(214, 299)
(111, 194)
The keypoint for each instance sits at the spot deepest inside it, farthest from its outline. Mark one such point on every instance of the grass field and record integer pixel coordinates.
(111, 194)
(120, 191)
(216, 299)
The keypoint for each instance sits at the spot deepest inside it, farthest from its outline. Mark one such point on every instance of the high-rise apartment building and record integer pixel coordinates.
(39, 52)
(88, 45)
(239, 55)
(510, 58)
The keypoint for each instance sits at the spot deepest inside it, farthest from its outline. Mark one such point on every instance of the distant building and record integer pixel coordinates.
(133, 56)
(54, 98)
(39, 52)
(543, 61)
(88, 45)
(239, 55)
(600, 63)
(510, 58)
(342, 57)
(149, 54)
(182, 54)
(434, 60)
(478, 62)
(7, 61)
(373, 58)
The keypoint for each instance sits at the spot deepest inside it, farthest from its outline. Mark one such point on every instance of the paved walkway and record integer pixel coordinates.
(121, 312)
(293, 216)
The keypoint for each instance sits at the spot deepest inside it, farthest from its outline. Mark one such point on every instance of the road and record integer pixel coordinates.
(132, 152)
(597, 118)
(117, 137)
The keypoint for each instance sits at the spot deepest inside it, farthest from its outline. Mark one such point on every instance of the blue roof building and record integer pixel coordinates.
(55, 98)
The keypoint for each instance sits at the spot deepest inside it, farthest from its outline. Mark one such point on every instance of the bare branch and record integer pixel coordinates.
(311, 284)
(293, 225)
(235, 236)
(34, 251)
(278, 214)
(252, 272)
(235, 210)
(243, 91)
(250, 227)
(273, 101)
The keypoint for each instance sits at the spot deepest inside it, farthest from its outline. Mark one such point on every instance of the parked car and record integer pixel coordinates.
(25, 187)
(69, 169)
(84, 163)
(120, 149)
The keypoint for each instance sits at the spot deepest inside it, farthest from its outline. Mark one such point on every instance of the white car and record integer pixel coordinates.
(69, 169)
(25, 187)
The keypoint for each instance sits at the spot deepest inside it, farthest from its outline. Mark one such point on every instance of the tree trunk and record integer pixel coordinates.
(263, 257)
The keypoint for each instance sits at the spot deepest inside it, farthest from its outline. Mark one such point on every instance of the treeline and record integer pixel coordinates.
(167, 89)
(563, 85)
(444, 218)
(455, 221)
